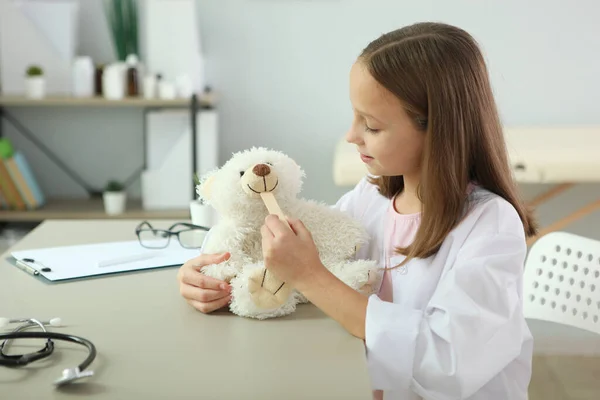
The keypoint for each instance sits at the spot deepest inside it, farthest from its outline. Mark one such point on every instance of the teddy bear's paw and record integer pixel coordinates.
(301, 298)
(222, 271)
(361, 275)
(372, 283)
(267, 291)
(250, 299)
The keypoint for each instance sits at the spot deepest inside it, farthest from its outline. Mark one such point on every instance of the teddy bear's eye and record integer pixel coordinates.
(268, 163)
(242, 173)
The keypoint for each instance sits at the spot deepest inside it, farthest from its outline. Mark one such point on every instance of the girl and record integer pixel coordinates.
(445, 221)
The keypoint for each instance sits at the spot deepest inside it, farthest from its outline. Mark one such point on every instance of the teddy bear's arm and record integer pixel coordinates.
(223, 240)
(362, 275)
(337, 235)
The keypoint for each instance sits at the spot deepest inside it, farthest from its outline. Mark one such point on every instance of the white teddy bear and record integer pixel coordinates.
(234, 192)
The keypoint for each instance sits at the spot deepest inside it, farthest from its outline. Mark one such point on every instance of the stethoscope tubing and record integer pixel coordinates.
(24, 359)
(57, 336)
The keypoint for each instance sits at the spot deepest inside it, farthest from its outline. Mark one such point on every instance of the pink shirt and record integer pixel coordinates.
(400, 231)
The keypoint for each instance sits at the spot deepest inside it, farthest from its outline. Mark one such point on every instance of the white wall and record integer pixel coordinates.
(281, 70)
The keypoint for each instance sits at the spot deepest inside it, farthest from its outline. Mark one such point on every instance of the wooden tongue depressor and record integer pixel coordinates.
(265, 289)
(273, 207)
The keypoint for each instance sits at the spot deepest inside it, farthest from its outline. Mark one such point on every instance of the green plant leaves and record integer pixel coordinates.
(122, 18)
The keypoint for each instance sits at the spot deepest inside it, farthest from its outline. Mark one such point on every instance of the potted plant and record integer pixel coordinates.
(35, 83)
(114, 198)
(201, 214)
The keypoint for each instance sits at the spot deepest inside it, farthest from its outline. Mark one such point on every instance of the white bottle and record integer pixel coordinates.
(83, 77)
(185, 86)
(113, 81)
(149, 88)
(166, 90)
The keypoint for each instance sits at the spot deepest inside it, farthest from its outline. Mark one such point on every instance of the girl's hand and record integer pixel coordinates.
(291, 255)
(202, 292)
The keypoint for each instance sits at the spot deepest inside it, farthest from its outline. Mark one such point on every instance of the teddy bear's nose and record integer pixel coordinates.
(261, 169)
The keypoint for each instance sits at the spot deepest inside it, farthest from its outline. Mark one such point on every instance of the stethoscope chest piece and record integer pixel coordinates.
(71, 375)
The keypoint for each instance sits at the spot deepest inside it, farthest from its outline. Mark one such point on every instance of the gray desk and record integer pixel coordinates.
(152, 345)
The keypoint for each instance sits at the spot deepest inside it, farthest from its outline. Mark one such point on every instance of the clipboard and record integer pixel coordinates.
(64, 263)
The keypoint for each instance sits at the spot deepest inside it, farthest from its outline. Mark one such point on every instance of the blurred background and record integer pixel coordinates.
(110, 108)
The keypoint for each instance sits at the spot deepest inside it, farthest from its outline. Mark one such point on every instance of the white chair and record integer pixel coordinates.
(562, 281)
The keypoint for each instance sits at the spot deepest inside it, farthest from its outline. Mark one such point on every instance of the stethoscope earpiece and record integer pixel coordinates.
(53, 321)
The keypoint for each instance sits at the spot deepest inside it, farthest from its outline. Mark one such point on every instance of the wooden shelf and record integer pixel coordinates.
(89, 209)
(54, 101)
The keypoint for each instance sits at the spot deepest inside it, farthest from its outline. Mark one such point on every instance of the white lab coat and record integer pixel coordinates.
(455, 329)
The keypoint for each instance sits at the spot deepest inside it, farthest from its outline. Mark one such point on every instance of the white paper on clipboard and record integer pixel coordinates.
(70, 262)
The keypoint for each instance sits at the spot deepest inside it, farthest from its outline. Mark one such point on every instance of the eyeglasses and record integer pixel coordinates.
(189, 235)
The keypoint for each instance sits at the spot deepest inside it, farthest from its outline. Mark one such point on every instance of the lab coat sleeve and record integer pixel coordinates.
(349, 200)
(468, 332)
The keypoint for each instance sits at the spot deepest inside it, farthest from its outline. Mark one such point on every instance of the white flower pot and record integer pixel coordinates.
(35, 87)
(114, 202)
(202, 215)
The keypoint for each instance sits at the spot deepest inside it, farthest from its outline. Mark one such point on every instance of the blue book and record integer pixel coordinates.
(27, 173)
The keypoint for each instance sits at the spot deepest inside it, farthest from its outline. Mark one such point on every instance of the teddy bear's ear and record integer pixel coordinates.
(204, 188)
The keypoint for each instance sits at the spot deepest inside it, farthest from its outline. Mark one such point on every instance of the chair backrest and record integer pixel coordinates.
(562, 281)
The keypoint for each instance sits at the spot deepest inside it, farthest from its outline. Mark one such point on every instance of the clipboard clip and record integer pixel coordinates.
(24, 265)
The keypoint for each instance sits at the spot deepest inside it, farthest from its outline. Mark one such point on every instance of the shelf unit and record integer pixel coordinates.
(92, 207)
(88, 209)
(61, 101)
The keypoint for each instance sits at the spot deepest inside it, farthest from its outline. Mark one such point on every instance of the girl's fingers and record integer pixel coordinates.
(202, 295)
(210, 306)
(198, 279)
(206, 259)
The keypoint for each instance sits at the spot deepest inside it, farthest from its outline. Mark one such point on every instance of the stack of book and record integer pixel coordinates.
(19, 189)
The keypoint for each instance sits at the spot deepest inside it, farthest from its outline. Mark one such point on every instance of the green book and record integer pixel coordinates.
(6, 149)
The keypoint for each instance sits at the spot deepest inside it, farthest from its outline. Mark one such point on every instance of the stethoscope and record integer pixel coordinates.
(18, 360)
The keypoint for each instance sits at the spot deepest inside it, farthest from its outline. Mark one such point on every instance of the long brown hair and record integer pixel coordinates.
(439, 74)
